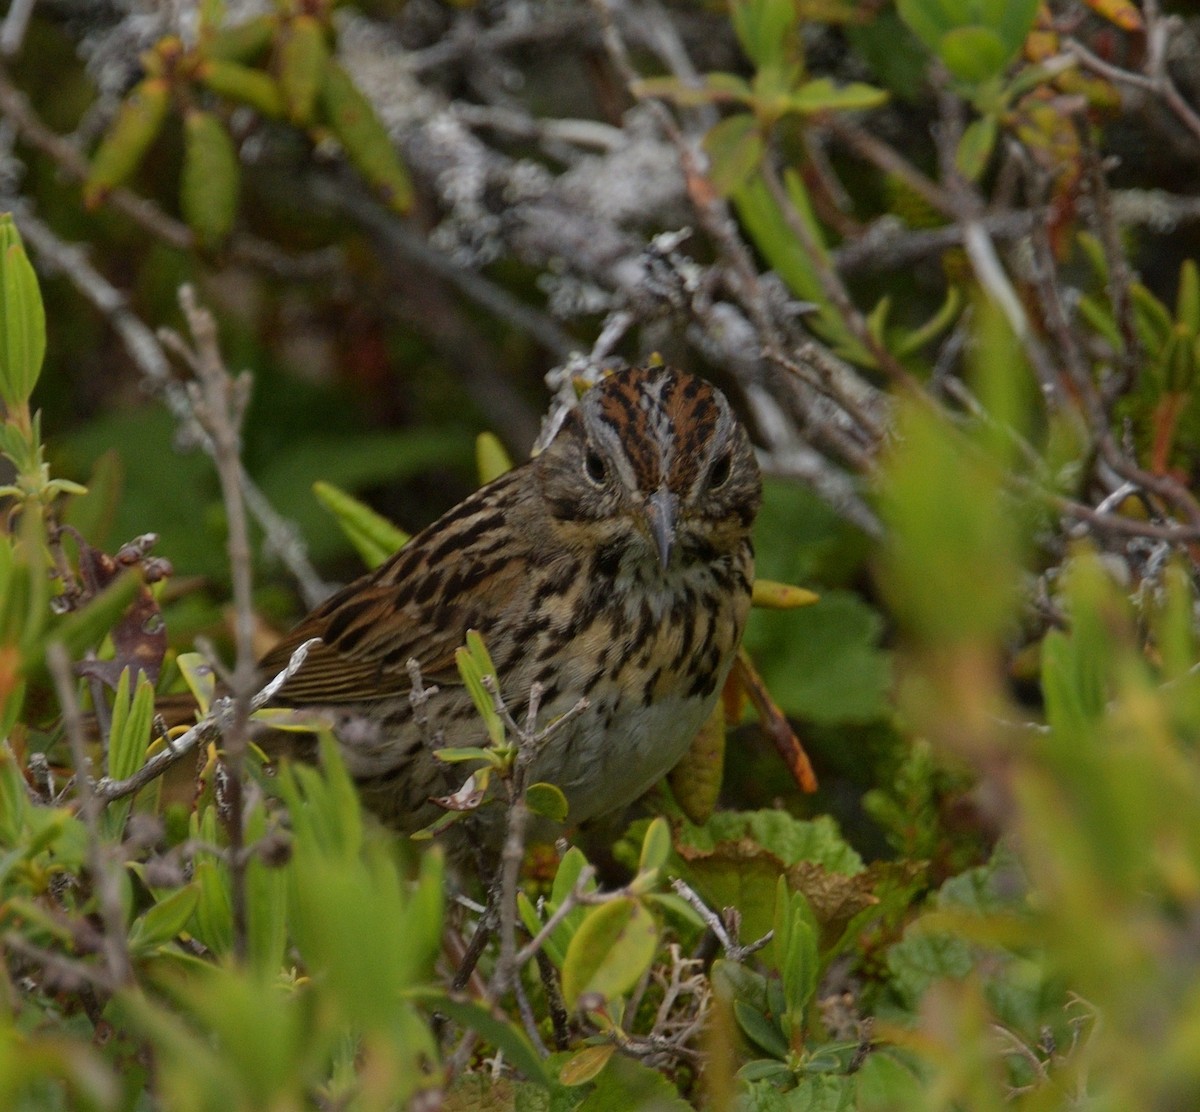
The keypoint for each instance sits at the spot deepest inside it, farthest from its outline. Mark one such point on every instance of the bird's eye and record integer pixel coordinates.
(719, 475)
(594, 466)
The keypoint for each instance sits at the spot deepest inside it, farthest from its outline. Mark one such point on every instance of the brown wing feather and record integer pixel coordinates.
(406, 608)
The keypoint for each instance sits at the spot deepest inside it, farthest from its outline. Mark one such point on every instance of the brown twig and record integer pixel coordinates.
(219, 403)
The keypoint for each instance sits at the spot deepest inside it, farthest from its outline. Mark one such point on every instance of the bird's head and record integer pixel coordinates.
(654, 458)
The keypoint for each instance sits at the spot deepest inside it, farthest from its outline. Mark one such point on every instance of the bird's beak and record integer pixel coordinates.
(662, 508)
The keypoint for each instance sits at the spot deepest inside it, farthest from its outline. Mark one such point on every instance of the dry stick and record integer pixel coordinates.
(219, 403)
(1119, 279)
(886, 244)
(1156, 79)
(834, 381)
(148, 356)
(208, 729)
(105, 878)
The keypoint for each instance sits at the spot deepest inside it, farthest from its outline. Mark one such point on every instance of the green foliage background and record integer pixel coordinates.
(992, 900)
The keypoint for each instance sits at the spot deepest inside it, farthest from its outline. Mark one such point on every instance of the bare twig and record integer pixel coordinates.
(736, 950)
(219, 403)
(207, 729)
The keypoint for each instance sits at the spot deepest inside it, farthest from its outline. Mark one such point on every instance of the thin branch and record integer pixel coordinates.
(207, 729)
(144, 348)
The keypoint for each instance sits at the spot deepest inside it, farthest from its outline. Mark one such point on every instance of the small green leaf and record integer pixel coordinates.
(822, 95)
(973, 54)
(713, 88)
(766, 29)
(516, 1046)
(366, 140)
(198, 675)
(22, 319)
(303, 65)
(761, 1030)
(585, 1064)
(164, 920)
(209, 182)
(1187, 300)
(610, 951)
(473, 664)
(213, 917)
(491, 458)
(547, 800)
(372, 535)
(656, 846)
(130, 727)
(975, 147)
(735, 149)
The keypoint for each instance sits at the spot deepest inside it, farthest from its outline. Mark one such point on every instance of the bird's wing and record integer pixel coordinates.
(419, 605)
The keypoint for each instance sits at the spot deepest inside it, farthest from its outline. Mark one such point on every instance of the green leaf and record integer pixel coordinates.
(130, 726)
(198, 674)
(1187, 300)
(656, 846)
(474, 663)
(973, 54)
(22, 320)
(210, 179)
(626, 1084)
(975, 147)
(585, 1064)
(735, 149)
(372, 535)
(128, 739)
(766, 29)
(491, 457)
(884, 1084)
(822, 95)
(823, 663)
(212, 921)
(164, 920)
(950, 521)
(517, 1049)
(610, 951)
(764, 1032)
(547, 800)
